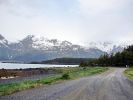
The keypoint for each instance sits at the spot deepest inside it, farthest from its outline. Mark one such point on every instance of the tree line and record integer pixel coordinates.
(121, 59)
(63, 61)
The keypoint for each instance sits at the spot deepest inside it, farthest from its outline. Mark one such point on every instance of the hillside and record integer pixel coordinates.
(69, 61)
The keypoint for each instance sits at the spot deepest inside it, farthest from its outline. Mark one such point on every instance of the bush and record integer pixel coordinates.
(65, 76)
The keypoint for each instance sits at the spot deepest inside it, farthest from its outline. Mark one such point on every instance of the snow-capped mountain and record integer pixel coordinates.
(109, 47)
(33, 48)
(41, 43)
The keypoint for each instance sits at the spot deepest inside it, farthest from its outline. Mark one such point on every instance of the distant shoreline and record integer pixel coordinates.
(31, 66)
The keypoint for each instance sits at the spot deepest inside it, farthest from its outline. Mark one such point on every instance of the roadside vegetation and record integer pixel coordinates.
(66, 74)
(26, 72)
(129, 73)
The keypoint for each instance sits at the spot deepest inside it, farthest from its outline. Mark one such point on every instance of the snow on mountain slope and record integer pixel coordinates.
(36, 42)
(42, 43)
(109, 47)
(3, 42)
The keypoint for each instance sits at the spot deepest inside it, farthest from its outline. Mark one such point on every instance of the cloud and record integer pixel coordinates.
(107, 19)
(101, 6)
(79, 21)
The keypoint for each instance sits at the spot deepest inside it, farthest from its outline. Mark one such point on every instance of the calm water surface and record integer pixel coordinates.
(18, 66)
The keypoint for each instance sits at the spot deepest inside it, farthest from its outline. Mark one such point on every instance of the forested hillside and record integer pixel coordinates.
(71, 61)
(124, 58)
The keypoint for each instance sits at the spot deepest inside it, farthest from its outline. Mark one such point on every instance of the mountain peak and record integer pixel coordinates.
(1, 37)
(3, 41)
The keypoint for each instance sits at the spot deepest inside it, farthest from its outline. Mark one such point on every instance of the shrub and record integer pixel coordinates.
(65, 76)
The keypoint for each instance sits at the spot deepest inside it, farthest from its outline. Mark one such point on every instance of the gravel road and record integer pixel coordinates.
(111, 85)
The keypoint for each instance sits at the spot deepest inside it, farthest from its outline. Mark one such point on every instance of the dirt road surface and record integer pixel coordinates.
(111, 85)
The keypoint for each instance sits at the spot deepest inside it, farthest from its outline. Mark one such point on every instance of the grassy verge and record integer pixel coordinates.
(129, 73)
(67, 73)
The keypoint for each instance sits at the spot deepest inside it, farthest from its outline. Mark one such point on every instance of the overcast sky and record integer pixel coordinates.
(78, 21)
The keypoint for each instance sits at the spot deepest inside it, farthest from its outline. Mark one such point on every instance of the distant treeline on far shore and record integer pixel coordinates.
(64, 61)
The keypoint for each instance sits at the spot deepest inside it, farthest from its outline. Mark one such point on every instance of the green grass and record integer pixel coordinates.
(129, 73)
(87, 72)
(67, 73)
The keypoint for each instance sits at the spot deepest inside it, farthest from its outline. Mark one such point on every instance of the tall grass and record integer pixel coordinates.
(129, 73)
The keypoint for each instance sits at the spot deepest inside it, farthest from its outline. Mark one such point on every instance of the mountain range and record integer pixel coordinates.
(33, 48)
